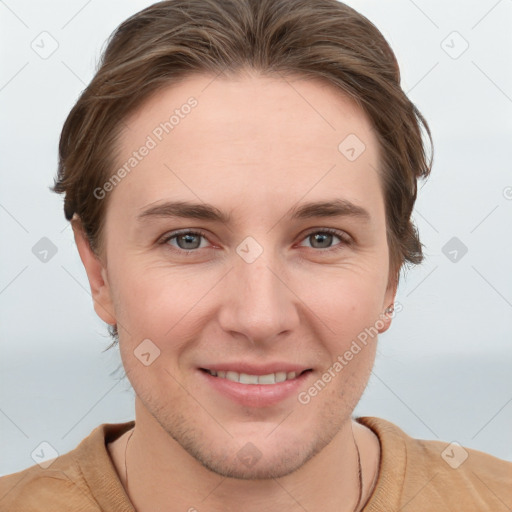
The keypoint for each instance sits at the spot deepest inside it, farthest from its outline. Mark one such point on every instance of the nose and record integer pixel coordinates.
(258, 304)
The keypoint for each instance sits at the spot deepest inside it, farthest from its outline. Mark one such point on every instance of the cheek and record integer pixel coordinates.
(165, 305)
(139, 290)
(340, 385)
(347, 299)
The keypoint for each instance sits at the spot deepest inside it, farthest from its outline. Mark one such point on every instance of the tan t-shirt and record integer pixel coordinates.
(414, 476)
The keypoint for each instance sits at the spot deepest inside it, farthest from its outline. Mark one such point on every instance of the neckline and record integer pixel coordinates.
(108, 491)
(387, 491)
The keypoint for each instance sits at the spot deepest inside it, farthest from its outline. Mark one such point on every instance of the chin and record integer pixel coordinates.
(249, 463)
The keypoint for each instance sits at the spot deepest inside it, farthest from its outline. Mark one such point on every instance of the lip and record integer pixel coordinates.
(253, 369)
(255, 395)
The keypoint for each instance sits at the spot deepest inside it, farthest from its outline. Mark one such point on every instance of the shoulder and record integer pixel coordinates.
(38, 487)
(34, 489)
(440, 475)
(64, 483)
(460, 473)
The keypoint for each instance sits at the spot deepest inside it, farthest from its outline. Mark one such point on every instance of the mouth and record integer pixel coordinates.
(246, 378)
(259, 387)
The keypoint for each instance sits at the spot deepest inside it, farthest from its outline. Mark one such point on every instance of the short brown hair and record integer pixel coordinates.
(170, 40)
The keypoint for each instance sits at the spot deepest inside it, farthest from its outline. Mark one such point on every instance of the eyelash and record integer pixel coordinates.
(345, 239)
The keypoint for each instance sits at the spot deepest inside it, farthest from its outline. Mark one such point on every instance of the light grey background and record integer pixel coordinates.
(442, 370)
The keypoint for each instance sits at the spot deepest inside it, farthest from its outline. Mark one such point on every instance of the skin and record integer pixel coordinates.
(254, 147)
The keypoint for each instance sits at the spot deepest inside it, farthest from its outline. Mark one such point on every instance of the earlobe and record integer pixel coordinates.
(384, 321)
(96, 274)
(389, 312)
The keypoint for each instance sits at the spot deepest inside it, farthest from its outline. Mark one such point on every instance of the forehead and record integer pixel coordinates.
(250, 141)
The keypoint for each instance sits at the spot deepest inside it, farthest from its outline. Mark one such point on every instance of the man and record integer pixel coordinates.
(240, 177)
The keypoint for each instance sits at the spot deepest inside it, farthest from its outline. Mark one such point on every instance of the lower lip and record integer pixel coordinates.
(256, 395)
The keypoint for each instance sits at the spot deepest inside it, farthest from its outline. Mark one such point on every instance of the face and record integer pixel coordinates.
(255, 280)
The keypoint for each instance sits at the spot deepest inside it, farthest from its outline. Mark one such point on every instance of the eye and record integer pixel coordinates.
(322, 239)
(186, 240)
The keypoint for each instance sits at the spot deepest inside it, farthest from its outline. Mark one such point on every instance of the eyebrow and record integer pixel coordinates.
(203, 211)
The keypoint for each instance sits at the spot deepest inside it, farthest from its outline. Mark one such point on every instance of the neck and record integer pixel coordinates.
(160, 472)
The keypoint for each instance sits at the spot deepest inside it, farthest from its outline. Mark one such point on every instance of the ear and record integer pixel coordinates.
(389, 300)
(97, 275)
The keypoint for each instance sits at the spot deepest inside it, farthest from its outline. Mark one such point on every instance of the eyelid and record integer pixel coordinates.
(345, 238)
(185, 231)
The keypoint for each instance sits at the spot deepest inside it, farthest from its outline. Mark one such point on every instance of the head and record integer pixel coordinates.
(245, 110)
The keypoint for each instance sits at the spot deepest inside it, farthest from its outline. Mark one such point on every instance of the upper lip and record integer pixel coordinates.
(255, 369)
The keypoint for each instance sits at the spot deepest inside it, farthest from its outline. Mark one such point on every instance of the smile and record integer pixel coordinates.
(245, 378)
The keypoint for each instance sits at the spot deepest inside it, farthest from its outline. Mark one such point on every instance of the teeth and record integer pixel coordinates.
(280, 376)
(267, 379)
(232, 376)
(245, 378)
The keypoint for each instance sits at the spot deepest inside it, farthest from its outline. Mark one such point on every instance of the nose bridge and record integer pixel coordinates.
(258, 304)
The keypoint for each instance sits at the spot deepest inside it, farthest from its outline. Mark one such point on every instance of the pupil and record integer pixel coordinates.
(323, 235)
(187, 239)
